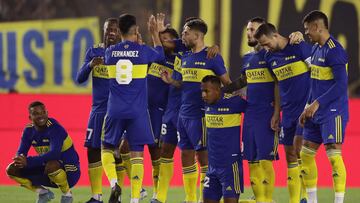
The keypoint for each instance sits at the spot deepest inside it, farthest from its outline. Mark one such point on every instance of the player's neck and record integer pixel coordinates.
(324, 38)
(198, 47)
(283, 42)
(257, 48)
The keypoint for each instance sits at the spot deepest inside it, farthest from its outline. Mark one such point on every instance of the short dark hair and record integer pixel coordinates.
(265, 29)
(126, 21)
(34, 104)
(316, 15)
(198, 25)
(188, 19)
(257, 19)
(171, 31)
(212, 79)
(111, 21)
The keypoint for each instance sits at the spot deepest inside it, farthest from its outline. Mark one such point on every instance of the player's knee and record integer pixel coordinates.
(12, 170)
(202, 157)
(167, 151)
(124, 147)
(52, 166)
(331, 146)
(94, 155)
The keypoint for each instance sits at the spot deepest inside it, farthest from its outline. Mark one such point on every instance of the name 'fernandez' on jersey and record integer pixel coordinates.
(194, 67)
(128, 89)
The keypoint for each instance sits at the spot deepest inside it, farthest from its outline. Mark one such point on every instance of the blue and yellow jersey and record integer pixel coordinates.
(53, 143)
(127, 64)
(180, 47)
(223, 130)
(329, 80)
(100, 82)
(194, 67)
(174, 97)
(260, 82)
(158, 90)
(290, 67)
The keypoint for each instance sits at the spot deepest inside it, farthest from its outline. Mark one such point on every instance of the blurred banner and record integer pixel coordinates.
(227, 20)
(44, 56)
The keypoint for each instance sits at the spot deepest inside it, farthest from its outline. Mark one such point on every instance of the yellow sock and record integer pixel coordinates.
(339, 170)
(190, 177)
(120, 173)
(256, 177)
(269, 179)
(60, 179)
(137, 174)
(303, 188)
(165, 175)
(293, 181)
(24, 182)
(95, 172)
(155, 174)
(308, 167)
(126, 161)
(203, 170)
(108, 162)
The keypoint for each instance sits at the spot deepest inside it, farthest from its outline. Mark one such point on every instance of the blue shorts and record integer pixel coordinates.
(156, 115)
(94, 129)
(287, 133)
(192, 133)
(37, 177)
(330, 132)
(224, 182)
(169, 133)
(138, 132)
(260, 142)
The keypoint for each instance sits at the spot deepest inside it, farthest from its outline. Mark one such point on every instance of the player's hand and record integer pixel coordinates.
(296, 37)
(213, 51)
(20, 161)
(160, 21)
(166, 76)
(96, 61)
(311, 109)
(275, 122)
(139, 39)
(152, 26)
(302, 119)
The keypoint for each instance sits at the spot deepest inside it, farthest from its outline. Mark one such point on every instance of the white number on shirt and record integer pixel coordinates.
(124, 68)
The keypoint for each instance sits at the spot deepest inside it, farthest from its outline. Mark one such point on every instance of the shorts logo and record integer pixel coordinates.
(229, 188)
(330, 137)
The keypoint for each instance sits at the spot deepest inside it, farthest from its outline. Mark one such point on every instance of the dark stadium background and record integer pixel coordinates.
(70, 103)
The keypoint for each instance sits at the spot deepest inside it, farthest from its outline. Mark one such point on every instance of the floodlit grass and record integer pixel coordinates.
(14, 194)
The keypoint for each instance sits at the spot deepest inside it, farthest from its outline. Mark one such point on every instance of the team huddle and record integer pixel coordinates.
(177, 93)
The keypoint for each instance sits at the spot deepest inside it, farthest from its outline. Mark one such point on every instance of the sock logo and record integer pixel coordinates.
(136, 178)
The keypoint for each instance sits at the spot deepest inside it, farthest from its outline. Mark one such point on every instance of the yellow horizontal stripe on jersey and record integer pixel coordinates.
(138, 71)
(258, 75)
(177, 64)
(66, 144)
(100, 71)
(321, 73)
(155, 69)
(42, 149)
(290, 70)
(222, 120)
(195, 74)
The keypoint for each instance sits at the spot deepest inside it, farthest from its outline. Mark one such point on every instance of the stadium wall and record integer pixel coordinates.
(72, 112)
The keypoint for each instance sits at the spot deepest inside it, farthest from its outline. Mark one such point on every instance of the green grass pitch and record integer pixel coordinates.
(15, 194)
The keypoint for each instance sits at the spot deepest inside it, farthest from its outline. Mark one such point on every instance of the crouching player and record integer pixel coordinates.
(223, 115)
(57, 164)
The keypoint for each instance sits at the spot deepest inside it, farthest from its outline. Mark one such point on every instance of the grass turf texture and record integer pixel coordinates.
(16, 194)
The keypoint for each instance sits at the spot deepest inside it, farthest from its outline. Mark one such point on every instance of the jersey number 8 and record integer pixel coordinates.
(124, 68)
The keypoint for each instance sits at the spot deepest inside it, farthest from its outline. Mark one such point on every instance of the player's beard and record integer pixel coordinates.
(252, 43)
